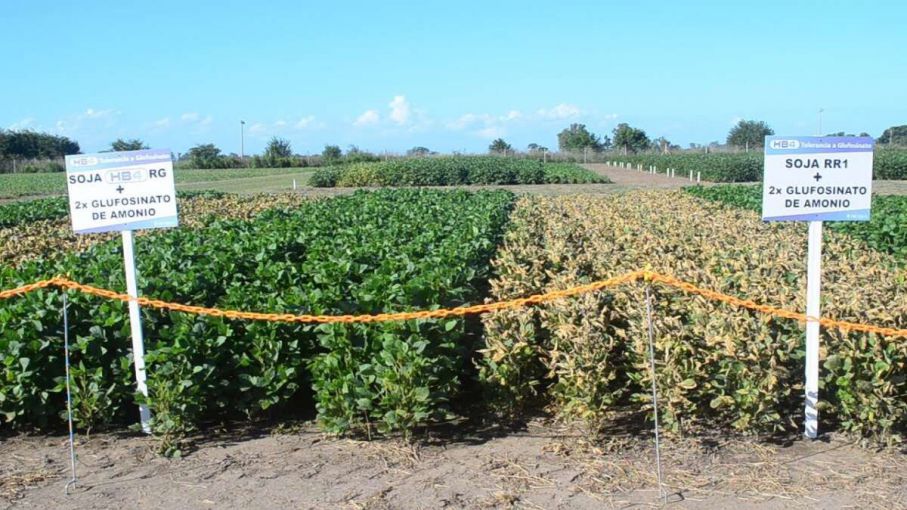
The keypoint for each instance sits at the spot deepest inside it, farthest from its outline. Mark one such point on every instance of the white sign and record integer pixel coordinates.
(124, 191)
(121, 191)
(812, 178)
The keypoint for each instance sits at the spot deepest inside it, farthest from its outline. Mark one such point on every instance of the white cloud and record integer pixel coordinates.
(280, 123)
(162, 123)
(196, 121)
(91, 113)
(368, 117)
(305, 122)
(257, 128)
(561, 111)
(491, 132)
(489, 126)
(468, 119)
(26, 123)
(400, 110)
(91, 120)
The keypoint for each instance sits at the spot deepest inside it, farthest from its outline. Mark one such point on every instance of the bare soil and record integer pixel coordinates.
(540, 466)
(633, 179)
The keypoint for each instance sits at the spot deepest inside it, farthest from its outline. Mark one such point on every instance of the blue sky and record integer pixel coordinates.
(449, 76)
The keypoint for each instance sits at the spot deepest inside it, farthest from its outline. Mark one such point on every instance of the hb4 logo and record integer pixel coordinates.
(785, 144)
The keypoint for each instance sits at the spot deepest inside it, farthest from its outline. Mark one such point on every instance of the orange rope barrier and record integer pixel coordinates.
(648, 276)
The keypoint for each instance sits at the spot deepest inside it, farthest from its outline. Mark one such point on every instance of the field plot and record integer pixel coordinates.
(886, 231)
(454, 171)
(365, 253)
(452, 406)
(720, 366)
(259, 180)
(888, 164)
(41, 228)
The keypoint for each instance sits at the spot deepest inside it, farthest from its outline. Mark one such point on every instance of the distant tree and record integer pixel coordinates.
(278, 154)
(533, 147)
(331, 154)
(27, 144)
(499, 146)
(895, 135)
(64, 146)
(841, 133)
(749, 133)
(418, 151)
(355, 155)
(663, 145)
(278, 148)
(577, 138)
(630, 139)
(120, 145)
(205, 156)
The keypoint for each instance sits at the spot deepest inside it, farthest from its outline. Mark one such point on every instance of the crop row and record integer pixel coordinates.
(718, 366)
(886, 231)
(18, 213)
(392, 250)
(41, 228)
(748, 166)
(452, 171)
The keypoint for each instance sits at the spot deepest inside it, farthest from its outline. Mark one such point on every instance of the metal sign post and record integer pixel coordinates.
(651, 330)
(813, 290)
(72, 441)
(135, 323)
(124, 191)
(814, 178)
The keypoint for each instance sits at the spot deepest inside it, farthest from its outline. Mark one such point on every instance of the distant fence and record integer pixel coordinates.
(31, 165)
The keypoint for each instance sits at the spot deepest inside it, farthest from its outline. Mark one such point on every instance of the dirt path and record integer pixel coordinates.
(633, 179)
(541, 467)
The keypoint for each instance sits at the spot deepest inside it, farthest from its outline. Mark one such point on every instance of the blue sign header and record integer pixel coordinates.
(780, 145)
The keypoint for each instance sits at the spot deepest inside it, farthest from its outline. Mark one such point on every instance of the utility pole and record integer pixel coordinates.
(242, 142)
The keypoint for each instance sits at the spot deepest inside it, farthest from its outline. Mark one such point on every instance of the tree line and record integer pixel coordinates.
(27, 144)
(626, 139)
(31, 151)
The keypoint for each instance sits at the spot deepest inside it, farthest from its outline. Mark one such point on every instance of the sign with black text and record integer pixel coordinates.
(814, 178)
(116, 191)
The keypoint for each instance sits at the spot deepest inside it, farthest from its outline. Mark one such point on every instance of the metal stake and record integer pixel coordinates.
(72, 448)
(661, 491)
